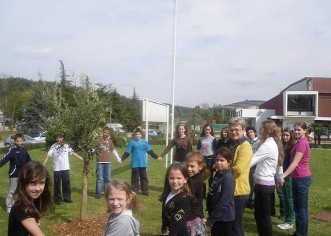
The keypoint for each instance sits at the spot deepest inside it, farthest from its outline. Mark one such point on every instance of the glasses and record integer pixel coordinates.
(235, 130)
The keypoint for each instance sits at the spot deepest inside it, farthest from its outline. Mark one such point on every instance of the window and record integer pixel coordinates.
(301, 103)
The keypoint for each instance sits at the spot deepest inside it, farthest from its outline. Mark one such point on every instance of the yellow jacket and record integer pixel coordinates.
(241, 166)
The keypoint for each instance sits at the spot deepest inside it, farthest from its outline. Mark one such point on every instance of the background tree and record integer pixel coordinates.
(134, 108)
(79, 122)
(318, 130)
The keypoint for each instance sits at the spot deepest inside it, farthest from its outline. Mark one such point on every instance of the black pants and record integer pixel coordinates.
(222, 228)
(240, 204)
(64, 177)
(141, 173)
(262, 209)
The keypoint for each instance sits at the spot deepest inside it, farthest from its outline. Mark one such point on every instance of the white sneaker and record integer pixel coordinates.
(285, 226)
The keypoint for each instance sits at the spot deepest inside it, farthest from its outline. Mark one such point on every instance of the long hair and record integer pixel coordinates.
(203, 130)
(34, 172)
(289, 144)
(197, 157)
(272, 130)
(225, 130)
(177, 126)
(187, 189)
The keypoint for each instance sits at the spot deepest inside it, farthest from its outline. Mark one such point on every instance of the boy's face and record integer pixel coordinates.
(59, 139)
(105, 133)
(221, 163)
(137, 135)
(250, 134)
(19, 142)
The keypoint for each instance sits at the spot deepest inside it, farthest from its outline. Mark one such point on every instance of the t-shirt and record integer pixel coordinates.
(302, 170)
(207, 145)
(138, 149)
(16, 216)
(104, 149)
(60, 154)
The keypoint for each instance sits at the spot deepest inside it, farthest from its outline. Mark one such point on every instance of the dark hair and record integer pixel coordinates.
(33, 172)
(225, 130)
(291, 142)
(106, 128)
(187, 189)
(203, 130)
(122, 185)
(197, 156)
(59, 135)
(225, 152)
(137, 130)
(177, 127)
(250, 128)
(302, 125)
(19, 135)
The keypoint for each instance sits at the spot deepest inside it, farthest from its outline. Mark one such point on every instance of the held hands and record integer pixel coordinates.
(159, 158)
(120, 161)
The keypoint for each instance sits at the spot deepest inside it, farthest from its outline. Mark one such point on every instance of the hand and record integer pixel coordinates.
(120, 162)
(159, 159)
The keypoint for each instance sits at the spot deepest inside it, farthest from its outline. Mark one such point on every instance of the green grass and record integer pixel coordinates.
(149, 213)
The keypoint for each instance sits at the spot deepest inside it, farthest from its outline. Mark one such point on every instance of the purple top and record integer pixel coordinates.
(302, 170)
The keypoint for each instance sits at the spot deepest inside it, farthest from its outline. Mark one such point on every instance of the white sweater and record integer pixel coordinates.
(266, 160)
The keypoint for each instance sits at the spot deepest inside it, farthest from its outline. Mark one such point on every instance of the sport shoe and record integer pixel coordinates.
(285, 226)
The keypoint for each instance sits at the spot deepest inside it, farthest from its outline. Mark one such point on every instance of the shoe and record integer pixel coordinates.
(57, 203)
(285, 226)
(97, 196)
(68, 201)
(146, 193)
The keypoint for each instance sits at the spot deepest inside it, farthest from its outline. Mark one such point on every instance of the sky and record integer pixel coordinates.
(226, 50)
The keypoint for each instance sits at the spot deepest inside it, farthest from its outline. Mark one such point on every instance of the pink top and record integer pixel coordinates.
(302, 170)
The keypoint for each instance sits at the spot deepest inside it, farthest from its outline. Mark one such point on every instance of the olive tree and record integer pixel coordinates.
(79, 122)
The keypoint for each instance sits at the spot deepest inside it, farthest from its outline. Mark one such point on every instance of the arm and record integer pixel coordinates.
(152, 153)
(117, 156)
(167, 149)
(124, 156)
(6, 158)
(199, 145)
(243, 159)
(189, 145)
(214, 145)
(260, 154)
(297, 158)
(77, 156)
(46, 160)
(32, 227)
(179, 219)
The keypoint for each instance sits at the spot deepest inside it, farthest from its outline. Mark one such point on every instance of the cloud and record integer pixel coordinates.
(31, 51)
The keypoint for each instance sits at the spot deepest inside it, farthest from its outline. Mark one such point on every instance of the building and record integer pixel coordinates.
(307, 100)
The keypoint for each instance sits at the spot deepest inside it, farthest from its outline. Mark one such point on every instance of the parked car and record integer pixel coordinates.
(39, 135)
(27, 140)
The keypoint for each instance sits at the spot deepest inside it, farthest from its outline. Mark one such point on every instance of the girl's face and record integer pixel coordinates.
(193, 167)
(221, 163)
(118, 201)
(299, 132)
(262, 132)
(181, 130)
(224, 134)
(176, 181)
(286, 136)
(207, 131)
(35, 189)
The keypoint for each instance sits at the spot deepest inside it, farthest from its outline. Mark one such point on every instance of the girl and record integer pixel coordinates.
(224, 140)
(122, 201)
(301, 177)
(198, 173)
(268, 160)
(175, 198)
(220, 199)
(32, 199)
(286, 189)
(182, 142)
(207, 146)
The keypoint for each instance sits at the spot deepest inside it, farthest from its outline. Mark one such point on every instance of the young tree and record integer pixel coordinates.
(318, 130)
(78, 123)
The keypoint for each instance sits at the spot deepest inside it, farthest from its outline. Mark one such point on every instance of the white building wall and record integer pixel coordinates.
(258, 115)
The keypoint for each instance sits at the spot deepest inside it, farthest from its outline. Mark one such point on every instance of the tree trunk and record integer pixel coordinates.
(83, 206)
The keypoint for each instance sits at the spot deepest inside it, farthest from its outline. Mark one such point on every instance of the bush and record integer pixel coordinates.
(119, 139)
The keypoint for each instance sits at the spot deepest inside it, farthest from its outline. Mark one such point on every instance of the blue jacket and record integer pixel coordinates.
(17, 156)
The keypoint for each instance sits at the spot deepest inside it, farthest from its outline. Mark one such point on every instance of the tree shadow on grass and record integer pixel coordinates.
(3, 203)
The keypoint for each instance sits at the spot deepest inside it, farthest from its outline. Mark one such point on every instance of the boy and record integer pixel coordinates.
(60, 152)
(104, 147)
(18, 156)
(138, 148)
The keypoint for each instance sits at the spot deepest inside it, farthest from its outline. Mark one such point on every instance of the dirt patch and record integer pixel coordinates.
(95, 227)
(326, 217)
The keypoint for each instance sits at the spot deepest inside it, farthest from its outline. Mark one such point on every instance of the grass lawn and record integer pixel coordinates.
(150, 208)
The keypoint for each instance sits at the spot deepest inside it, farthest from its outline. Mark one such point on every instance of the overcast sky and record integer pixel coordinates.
(227, 50)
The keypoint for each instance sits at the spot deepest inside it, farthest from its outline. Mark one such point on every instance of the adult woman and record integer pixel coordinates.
(181, 141)
(286, 189)
(301, 177)
(268, 158)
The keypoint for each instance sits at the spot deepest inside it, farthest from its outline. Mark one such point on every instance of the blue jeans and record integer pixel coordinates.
(103, 172)
(300, 188)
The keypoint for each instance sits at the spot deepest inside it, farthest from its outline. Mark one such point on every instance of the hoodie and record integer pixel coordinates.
(124, 224)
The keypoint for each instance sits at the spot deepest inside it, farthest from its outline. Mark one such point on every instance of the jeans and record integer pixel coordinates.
(62, 176)
(300, 188)
(288, 200)
(103, 172)
(240, 202)
(262, 208)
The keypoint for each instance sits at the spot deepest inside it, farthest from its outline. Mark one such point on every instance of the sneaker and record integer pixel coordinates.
(285, 226)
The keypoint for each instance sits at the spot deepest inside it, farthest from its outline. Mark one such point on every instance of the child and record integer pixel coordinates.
(104, 148)
(175, 200)
(32, 199)
(121, 202)
(18, 156)
(138, 148)
(198, 173)
(220, 199)
(182, 142)
(60, 152)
